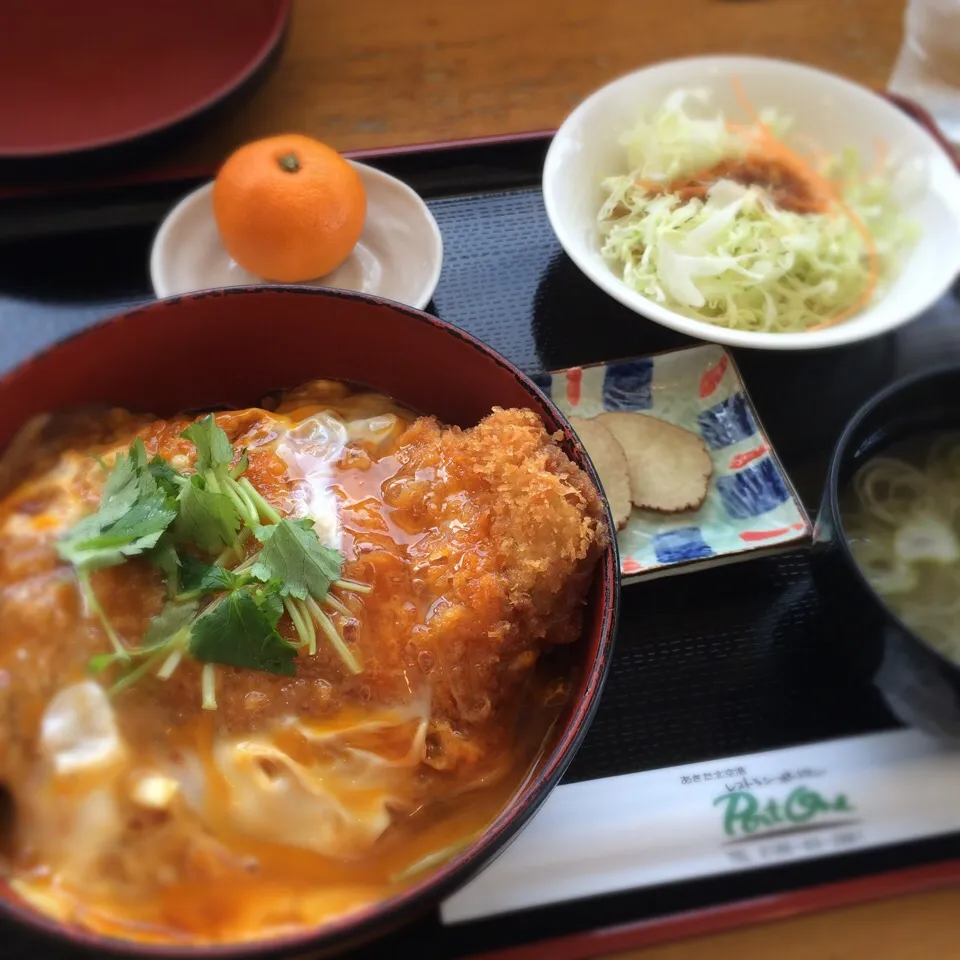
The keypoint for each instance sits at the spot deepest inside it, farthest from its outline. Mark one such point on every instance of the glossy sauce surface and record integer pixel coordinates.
(299, 798)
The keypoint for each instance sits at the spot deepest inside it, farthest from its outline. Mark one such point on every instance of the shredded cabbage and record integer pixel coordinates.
(735, 258)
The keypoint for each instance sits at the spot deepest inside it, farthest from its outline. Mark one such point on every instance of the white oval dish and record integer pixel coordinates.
(832, 111)
(398, 256)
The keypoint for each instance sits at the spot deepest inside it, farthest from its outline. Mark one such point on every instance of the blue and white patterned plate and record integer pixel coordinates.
(751, 506)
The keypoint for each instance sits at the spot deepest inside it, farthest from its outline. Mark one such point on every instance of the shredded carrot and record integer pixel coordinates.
(649, 185)
(820, 184)
(745, 103)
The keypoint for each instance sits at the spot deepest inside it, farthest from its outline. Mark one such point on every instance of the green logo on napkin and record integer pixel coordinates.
(745, 814)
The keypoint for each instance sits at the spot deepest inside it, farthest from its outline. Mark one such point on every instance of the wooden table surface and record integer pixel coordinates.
(373, 73)
(370, 73)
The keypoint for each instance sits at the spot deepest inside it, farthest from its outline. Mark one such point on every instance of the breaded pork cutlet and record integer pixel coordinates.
(512, 531)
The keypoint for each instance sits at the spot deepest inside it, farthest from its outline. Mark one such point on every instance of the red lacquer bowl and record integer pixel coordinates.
(79, 77)
(233, 346)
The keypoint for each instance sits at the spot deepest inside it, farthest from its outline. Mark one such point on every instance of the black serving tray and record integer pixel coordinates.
(713, 664)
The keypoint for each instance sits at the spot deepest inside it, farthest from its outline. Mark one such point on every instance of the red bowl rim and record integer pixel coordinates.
(382, 915)
(268, 46)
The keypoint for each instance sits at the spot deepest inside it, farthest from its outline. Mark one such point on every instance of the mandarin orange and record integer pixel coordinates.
(288, 208)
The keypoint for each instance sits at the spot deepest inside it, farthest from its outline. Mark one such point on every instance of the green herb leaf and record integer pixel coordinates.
(293, 555)
(170, 621)
(168, 479)
(106, 551)
(208, 519)
(269, 597)
(133, 512)
(199, 577)
(241, 632)
(149, 516)
(124, 482)
(171, 624)
(214, 450)
(165, 558)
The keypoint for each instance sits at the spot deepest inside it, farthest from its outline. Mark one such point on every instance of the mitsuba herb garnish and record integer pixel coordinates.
(293, 556)
(215, 613)
(209, 504)
(241, 630)
(133, 513)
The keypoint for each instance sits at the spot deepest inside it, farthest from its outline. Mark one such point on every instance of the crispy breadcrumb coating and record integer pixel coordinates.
(512, 533)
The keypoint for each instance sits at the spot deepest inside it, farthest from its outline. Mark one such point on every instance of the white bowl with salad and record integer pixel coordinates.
(755, 202)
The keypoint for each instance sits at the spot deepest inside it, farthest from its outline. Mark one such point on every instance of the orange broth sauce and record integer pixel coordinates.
(260, 888)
